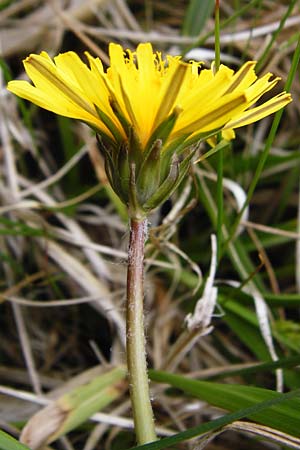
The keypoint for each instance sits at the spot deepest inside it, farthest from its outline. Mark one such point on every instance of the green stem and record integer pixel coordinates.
(219, 138)
(217, 36)
(136, 355)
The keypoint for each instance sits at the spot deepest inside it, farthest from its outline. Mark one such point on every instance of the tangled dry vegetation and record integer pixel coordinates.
(64, 235)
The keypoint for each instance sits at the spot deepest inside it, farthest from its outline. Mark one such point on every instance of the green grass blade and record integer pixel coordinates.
(269, 141)
(7, 442)
(233, 397)
(196, 16)
(69, 148)
(288, 362)
(266, 51)
(220, 422)
(239, 319)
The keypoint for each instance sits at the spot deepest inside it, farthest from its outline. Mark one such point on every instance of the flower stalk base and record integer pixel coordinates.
(135, 338)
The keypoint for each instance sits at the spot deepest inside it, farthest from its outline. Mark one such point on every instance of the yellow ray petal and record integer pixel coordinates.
(72, 66)
(46, 77)
(260, 87)
(204, 90)
(52, 102)
(170, 93)
(259, 112)
(243, 77)
(146, 63)
(217, 114)
(140, 89)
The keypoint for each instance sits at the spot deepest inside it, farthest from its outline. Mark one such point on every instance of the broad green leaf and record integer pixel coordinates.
(233, 397)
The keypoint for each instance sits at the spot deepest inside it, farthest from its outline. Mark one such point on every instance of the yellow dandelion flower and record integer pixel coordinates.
(147, 110)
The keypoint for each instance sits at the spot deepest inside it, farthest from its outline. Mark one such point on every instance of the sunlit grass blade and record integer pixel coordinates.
(233, 397)
(197, 13)
(7, 442)
(257, 408)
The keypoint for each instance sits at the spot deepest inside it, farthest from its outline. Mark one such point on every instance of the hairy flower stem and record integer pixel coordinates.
(136, 356)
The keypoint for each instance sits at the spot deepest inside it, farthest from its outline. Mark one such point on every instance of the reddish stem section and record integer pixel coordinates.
(135, 337)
